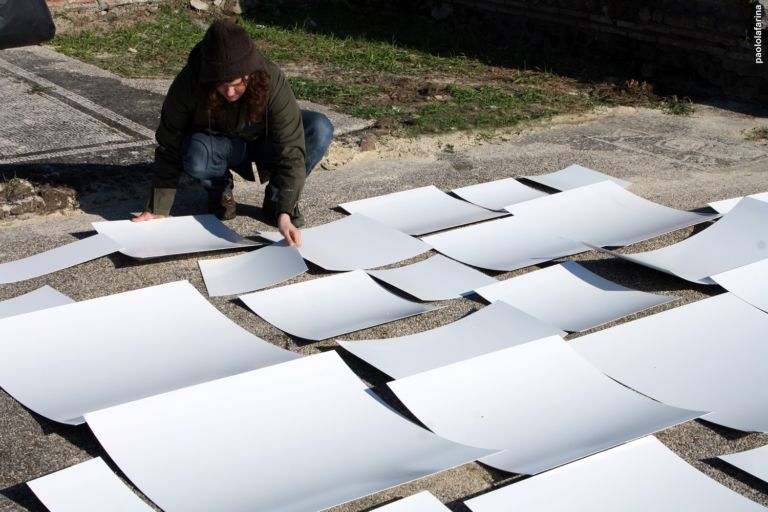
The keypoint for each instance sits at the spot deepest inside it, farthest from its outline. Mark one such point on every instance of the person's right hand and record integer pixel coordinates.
(147, 216)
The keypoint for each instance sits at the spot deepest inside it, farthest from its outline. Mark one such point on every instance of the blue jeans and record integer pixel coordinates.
(208, 158)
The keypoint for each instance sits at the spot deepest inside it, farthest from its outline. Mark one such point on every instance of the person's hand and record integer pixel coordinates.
(147, 216)
(290, 232)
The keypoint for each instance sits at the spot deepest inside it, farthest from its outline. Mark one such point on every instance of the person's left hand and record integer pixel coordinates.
(290, 232)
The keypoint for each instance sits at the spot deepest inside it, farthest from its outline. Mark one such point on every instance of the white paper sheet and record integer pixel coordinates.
(575, 176)
(540, 402)
(503, 244)
(421, 502)
(354, 243)
(171, 235)
(493, 328)
(754, 462)
(304, 435)
(495, 195)
(435, 278)
(87, 487)
(749, 283)
(708, 355)
(254, 270)
(640, 476)
(737, 239)
(727, 205)
(570, 297)
(63, 362)
(330, 306)
(603, 214)
(42, 298)
(420, 210)
(57, 259)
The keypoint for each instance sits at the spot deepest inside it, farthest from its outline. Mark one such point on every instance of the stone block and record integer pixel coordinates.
(17, 190)
(27, 205)
(58, 198)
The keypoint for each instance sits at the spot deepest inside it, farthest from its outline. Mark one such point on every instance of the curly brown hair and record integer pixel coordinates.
(255, 97)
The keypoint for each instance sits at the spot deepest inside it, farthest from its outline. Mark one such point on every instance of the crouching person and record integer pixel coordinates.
(230, 107)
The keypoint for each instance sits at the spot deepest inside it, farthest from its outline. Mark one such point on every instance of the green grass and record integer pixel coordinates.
(350, 53)
(677, 107)
(163, 41)
(331, 93)
(161, 45)
(758, 134)
(482, 107)
(394, 70)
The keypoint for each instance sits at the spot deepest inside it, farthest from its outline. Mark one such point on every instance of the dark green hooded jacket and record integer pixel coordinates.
(184, 113)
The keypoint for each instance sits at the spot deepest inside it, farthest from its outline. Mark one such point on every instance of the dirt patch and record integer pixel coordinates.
(375, 144)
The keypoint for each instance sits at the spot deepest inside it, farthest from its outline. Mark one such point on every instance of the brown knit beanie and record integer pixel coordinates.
(227, 53)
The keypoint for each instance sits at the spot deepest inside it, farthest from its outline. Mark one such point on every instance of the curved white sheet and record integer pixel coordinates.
(86, 487)
(492, 328)
(56, 259)
(503, 244)
(570, 297)
(708, 355)
(420, 210)
(329, 306)
(421, 502)
(66, 361)
(754, 462)
(575, 176)
(495, 195)
(749, 283)
(539, 402)
(739, 238)
(435, 278)
(301, 436)
(354, 243)
(43, 298)
(253, 270)
(603, 214)
(171, 235)
(640, 476)
(727, 205)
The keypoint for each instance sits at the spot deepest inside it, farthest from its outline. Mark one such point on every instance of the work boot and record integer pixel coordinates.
(222, 205)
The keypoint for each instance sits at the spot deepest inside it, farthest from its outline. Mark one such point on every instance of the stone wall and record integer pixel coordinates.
(709, 43)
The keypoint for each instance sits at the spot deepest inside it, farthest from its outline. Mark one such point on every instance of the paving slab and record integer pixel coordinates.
(681, 162)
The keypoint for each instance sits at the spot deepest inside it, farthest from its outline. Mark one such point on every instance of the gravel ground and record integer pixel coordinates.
(682, 162)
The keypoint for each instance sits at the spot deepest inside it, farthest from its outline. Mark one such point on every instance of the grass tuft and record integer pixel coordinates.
(759, 134)
(678, 107)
